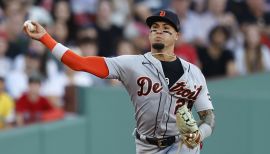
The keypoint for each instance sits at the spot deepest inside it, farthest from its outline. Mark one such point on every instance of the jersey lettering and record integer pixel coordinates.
(147, 82)
(181, 90)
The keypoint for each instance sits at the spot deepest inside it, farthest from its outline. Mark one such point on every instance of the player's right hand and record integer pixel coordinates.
(37, 33)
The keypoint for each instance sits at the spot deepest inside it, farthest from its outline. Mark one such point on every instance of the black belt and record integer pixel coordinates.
(160, 142)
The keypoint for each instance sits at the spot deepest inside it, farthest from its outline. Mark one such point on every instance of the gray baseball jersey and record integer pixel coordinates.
(154, 102)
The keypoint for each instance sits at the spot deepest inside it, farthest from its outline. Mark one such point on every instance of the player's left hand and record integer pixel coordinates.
(191, 140)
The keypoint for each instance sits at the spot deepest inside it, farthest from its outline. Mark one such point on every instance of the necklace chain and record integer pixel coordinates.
(165, 55)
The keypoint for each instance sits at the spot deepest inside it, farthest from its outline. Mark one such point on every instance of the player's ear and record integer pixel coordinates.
(177, 36)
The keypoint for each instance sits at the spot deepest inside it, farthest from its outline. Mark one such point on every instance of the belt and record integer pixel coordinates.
(160, 142)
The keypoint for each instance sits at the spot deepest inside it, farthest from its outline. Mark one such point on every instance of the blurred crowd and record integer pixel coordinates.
(225, 38)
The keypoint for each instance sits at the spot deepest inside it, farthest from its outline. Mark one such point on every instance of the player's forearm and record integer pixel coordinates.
(48, 41)
(93, 64)
(207, 123)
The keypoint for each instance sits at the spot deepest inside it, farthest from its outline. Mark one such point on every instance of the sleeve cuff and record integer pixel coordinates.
(205, 131)
(59, 50)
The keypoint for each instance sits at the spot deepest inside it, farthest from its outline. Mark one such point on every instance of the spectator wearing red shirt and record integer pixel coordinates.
(31, 105)
(187, 52)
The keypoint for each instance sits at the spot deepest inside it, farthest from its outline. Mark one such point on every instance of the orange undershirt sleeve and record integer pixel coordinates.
(48, 41)
(92, 64)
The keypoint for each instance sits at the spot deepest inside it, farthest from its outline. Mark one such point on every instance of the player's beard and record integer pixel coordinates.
(158, 46)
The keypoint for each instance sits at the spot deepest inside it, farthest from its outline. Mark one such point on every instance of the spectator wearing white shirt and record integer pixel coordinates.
(17, 80)
(49, 66)
(190, 23)
(215, 15)
(252, 56)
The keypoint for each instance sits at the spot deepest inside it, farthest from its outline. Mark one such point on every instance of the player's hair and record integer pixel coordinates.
(257, 64)
(217, 28)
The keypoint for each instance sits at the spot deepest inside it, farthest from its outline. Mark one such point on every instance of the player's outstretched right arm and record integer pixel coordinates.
(92, 64)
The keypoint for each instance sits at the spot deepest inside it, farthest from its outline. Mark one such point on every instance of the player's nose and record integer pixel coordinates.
(159, 31)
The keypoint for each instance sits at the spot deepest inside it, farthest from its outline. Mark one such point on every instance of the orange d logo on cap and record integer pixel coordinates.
(162, 13)
(166, 16)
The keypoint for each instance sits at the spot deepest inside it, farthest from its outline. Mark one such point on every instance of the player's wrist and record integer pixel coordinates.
(48, 41)
(205, 131)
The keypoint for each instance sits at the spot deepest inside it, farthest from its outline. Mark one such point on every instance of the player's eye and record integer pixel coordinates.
(168, 32)
(153, 30)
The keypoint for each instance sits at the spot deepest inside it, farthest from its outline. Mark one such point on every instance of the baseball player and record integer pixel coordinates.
(159, 84)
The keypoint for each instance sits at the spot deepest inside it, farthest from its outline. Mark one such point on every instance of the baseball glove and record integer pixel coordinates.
(187, 126)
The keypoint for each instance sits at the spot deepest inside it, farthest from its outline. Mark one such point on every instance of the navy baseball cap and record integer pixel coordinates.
(166, 16)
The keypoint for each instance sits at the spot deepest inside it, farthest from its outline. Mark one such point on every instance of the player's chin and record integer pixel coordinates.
(158, 46)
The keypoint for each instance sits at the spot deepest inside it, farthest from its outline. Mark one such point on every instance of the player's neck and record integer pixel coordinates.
(166, 54)
(163, 56)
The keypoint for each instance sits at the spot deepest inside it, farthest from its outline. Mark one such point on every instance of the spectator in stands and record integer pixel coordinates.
(125, 47)
(17, 80)
(61, 11)
(31, 107)
(5, 62)
(153, 5)
(84, 11)
(15, 12)
(254, 12)
(141, 11)
(48, 66)
(187, 51)
(63, 18)
(61, 33)
(121, 12)
(104, 21)
(136, 30)
(199, 6)
(108, 33)
(267, 5)
(6, 107)
(87, 31)
(215, 59)
(215, 15)
(88, 46)
(190, 23)
(252, 56)
(46, 4)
